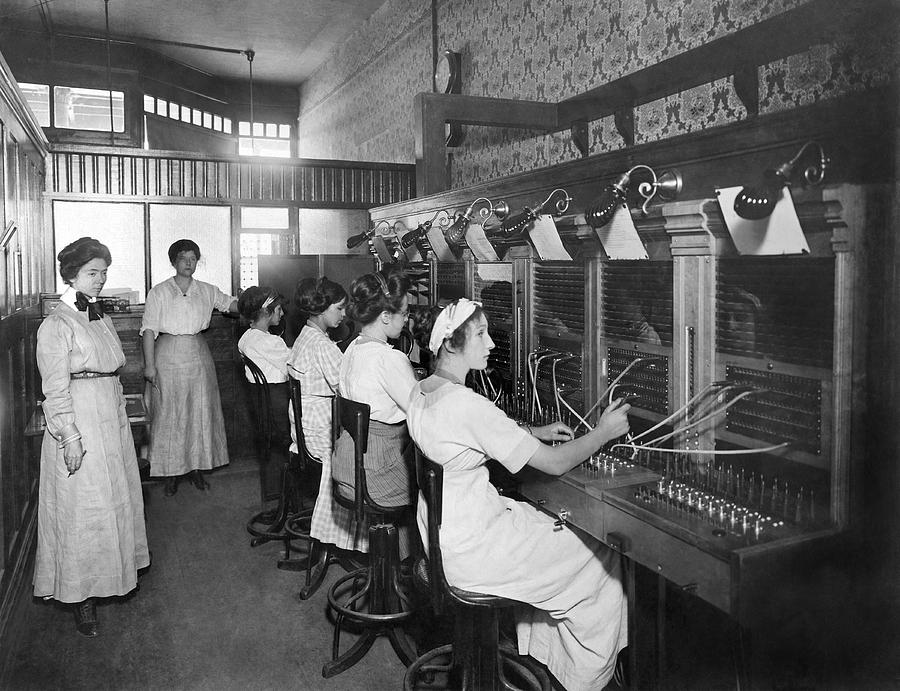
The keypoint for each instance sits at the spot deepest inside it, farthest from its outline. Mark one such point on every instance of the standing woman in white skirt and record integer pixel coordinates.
(91, 539)
(187, 431)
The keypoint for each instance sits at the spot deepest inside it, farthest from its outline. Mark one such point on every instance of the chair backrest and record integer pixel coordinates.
(430, 478)
(297, 406)
(263, 407)
(353, 417)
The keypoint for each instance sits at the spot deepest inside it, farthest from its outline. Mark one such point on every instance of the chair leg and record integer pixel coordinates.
(321, 558)
(402, 645)
(352, 656)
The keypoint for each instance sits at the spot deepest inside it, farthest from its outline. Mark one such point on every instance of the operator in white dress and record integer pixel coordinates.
(492, 544)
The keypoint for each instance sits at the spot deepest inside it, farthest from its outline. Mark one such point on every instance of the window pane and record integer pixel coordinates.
(173, 110)
(258, 129)
(244, 128)
(264, 217)
(162, 107)
(217, 123)
(271, 129)
(208, 226)
(227, 123)
(254, 244)
(284, 131)
(280, 148)
(185, 114)
(149, 104)
(197, 117)
(118, 226)
(38, 97)
(207, 120)
(88, 109)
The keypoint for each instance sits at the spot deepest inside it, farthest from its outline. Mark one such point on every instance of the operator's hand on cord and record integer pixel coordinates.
(614, 421)
(555, 431)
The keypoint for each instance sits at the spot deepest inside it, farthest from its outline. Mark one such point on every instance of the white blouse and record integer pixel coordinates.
(374, 373)
(268, 352)
(170, 311)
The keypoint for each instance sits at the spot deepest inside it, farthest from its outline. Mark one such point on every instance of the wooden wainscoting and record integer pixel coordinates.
(19, 457)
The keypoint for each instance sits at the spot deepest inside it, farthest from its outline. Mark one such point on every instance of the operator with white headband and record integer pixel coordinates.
(577, 622)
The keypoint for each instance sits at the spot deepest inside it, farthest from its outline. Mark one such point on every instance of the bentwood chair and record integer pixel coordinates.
(320, 555)
(476, 660)
(378, 598)
(270, 525)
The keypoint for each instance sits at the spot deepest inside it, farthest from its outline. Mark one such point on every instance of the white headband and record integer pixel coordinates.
(449, 320)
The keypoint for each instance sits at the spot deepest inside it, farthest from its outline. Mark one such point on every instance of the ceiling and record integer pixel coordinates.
(290, 38)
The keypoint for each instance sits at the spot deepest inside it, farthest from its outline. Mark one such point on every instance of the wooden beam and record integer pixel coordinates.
(788, 33)
(433, 110)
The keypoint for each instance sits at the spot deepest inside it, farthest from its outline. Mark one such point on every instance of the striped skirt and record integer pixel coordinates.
(187, 430)
(390, 474)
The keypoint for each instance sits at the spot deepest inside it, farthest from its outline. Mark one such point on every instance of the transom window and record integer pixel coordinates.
(186, 114)
(264, 139)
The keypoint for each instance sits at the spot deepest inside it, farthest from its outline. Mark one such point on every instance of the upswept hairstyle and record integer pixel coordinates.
(76, 254)
(315, 295)
(183, 245)
(372, 294)
(251, 301)
(424, 323)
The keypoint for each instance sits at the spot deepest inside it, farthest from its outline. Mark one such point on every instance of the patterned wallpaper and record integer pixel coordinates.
(359, 106)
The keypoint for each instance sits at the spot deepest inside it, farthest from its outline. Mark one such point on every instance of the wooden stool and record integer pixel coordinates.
(320, 556)
(377, 597)
(270, 525)
(475, 661)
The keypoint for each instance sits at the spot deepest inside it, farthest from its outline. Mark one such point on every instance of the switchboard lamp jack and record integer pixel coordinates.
(667, 186)
(757, 202)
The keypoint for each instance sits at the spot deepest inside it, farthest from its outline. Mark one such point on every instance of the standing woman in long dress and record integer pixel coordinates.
(187, 430)
(495, 545)
(91, 539)
(315, 361)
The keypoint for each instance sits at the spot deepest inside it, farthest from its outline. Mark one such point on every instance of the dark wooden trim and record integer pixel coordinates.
(857, 132)
(787, 33)
(739, 54)
(433, 110)
(122, 173)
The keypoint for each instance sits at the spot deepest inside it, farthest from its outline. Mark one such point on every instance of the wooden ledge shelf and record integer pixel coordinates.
(739, 55)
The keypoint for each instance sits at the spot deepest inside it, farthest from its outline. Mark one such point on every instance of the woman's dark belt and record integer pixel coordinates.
(92, 375)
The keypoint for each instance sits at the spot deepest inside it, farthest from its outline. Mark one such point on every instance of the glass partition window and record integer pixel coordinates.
(264, 230)
(118, 226)
(208, 226)
(76, 108)
(38, 98)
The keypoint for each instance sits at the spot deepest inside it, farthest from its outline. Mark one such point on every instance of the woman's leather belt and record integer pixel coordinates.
(92, 375)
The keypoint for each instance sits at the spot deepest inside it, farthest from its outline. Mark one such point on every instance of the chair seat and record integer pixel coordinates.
(469, 597)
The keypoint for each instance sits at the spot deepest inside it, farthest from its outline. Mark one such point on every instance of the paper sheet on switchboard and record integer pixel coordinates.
(545, 238)
(779, 233)
(441, 249)
(479, 244)
(620, 238)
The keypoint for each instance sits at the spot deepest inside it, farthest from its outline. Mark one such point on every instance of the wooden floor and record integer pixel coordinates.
(213, 613)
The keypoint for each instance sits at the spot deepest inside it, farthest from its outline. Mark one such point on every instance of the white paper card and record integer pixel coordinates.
(779, 233)
(479, 244)
(620, 238)
(545, 239)
(441, 249)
